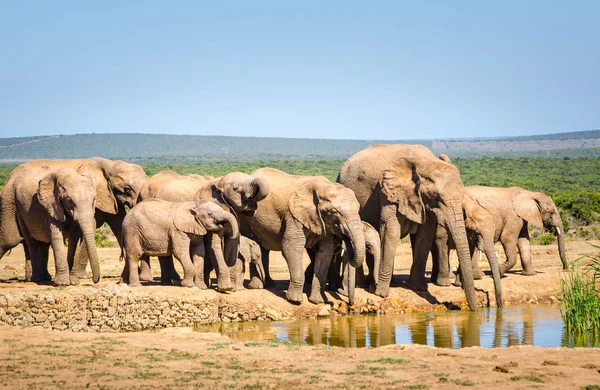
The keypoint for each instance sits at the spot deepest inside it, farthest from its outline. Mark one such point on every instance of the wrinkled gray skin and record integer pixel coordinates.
(305, 212)
(512, 210)
(401, 189)
(479, 224)
(117, 185)
(160, 228)
(236, 192)
(250, 256)
(373, 260)
(49, 205)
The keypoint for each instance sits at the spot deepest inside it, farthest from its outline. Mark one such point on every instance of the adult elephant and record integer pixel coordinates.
(404, 189)
(118, 184)
(305, 212)
(236, 192)
(513, 210)
(480, 227)
(50, 204)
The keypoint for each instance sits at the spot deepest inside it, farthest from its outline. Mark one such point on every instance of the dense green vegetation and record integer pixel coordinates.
(580, 301)
(573, 183)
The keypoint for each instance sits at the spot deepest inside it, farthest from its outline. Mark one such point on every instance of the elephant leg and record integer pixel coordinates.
(440, 255)
(181, 251)
(146, 269)
(33, 251)
(62, 277)
(323, 258)
(510, 249)
(216, 255)
(28, 263)
(292, 250)
(525, 252)
(167, 270)
(257, 272)
(421, 242)
(264, 253)
(369, 282)
(132, 275)
(309, 272)
(237, 274)
(198, 254)
(477, 273)
(333, 274)
(390, 238)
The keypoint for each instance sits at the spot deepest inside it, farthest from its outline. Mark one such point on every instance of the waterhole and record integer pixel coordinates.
(538, 325)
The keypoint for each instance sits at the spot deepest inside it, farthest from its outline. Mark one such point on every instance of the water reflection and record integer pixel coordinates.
(538, 325)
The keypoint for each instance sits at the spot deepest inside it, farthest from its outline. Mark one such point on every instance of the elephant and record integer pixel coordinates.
(249, 255)
(373, 260)
(236, 192)
(305, 212)
(480, 227)
(50, 204)
(404, 189)
(512, 210)
(161, 228)
(117, 185)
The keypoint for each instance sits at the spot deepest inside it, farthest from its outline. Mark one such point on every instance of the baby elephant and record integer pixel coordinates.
(159, 228)
(248, 256)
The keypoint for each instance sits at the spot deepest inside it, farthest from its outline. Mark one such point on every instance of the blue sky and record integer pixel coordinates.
(330, 69)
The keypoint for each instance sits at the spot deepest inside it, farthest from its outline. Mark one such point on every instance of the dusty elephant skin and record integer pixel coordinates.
(160, 228)
(305, 212)
(117, 185)
(236, 192)
(402, 189)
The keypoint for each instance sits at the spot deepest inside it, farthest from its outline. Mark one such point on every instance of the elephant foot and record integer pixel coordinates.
(294, 296)
(443, 282)
(316, 298)
(47, 276)
(528, 272)
(478, 275)
(269, 282)
(382, 292)
(62, 280)
(199, 282)
(163, 281)
(82, 274)
(75, 280)
(36, 279)
(342, 291)
(239, 287)
(135, 284)
(223, 286)
(146, 276)
(255, 284)
(372, 287)
(417, 286)
(187, 282)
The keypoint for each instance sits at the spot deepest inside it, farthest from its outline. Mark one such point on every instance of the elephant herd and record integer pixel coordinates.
(382, 193)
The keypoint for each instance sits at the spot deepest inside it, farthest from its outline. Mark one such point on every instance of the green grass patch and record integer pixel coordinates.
(388, 361)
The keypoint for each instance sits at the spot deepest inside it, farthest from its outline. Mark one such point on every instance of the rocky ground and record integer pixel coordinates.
(42, 351)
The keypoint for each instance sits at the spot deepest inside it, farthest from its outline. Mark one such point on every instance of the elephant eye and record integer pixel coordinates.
(127, 189)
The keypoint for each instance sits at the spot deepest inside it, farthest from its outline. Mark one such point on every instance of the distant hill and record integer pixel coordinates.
(150, 147)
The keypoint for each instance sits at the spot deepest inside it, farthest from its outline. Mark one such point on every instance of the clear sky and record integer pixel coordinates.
(317, 69)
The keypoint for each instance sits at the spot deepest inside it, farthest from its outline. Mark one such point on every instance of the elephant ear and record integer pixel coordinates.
(400, 184)
(105, 199)
(304, 206)
(185, 220)
(528, 208)
(245, 250)
(49, 197)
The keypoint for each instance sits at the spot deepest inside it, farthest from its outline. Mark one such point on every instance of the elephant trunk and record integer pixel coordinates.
(456, 226)
(354, 238)
(260, 188)
(490, 253)
(562, 250)
(376, 253)
(351, 284)
(88, 230)
(231, 240)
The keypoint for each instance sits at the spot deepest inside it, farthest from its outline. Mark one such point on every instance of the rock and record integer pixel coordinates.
(323, 311)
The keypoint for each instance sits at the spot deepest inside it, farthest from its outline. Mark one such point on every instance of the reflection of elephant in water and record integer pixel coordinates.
(512, 210)
(63, 201)
(305, 212)
(400, 189)
(160, 228)
(117, 185)
(236, 192)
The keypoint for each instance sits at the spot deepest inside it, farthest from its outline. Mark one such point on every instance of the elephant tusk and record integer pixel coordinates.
(480, 255)
(342, 252)
(558, 230)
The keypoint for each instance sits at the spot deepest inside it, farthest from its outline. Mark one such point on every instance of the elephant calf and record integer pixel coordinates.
(160, 228)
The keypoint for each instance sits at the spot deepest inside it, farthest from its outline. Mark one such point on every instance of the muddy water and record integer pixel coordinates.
(538, 325)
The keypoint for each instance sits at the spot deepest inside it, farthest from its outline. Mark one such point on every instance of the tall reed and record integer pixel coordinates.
(580, 301)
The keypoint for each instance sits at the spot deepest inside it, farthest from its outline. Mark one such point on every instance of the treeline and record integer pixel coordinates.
(574, 184)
